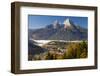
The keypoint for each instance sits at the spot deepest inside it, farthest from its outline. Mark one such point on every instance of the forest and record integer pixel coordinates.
(60, 50)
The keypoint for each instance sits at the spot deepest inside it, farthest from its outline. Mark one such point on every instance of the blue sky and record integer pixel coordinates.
(40, 21)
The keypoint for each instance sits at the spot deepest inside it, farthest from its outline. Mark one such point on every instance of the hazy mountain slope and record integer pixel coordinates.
(34, 49)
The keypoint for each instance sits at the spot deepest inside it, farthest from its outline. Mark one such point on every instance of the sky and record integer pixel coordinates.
(40, 21)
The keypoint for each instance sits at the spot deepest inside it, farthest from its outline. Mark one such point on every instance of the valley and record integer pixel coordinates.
(59, 49)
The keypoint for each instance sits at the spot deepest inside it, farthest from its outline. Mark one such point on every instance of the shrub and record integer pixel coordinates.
(83, 55)
(36, 57)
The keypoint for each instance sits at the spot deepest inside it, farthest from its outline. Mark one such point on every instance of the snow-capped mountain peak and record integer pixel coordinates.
(56, 24)
(67, 23)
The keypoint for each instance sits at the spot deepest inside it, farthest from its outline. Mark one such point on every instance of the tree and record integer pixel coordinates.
(76, 50)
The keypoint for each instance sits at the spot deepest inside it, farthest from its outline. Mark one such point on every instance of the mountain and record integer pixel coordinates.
(68, 24)
(34, 49)
(56, 24)
(56, 31)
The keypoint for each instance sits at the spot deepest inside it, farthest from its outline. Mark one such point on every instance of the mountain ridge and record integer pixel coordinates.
(56, 31)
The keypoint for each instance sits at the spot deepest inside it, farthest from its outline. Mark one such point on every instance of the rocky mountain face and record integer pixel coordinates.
(56, 31)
